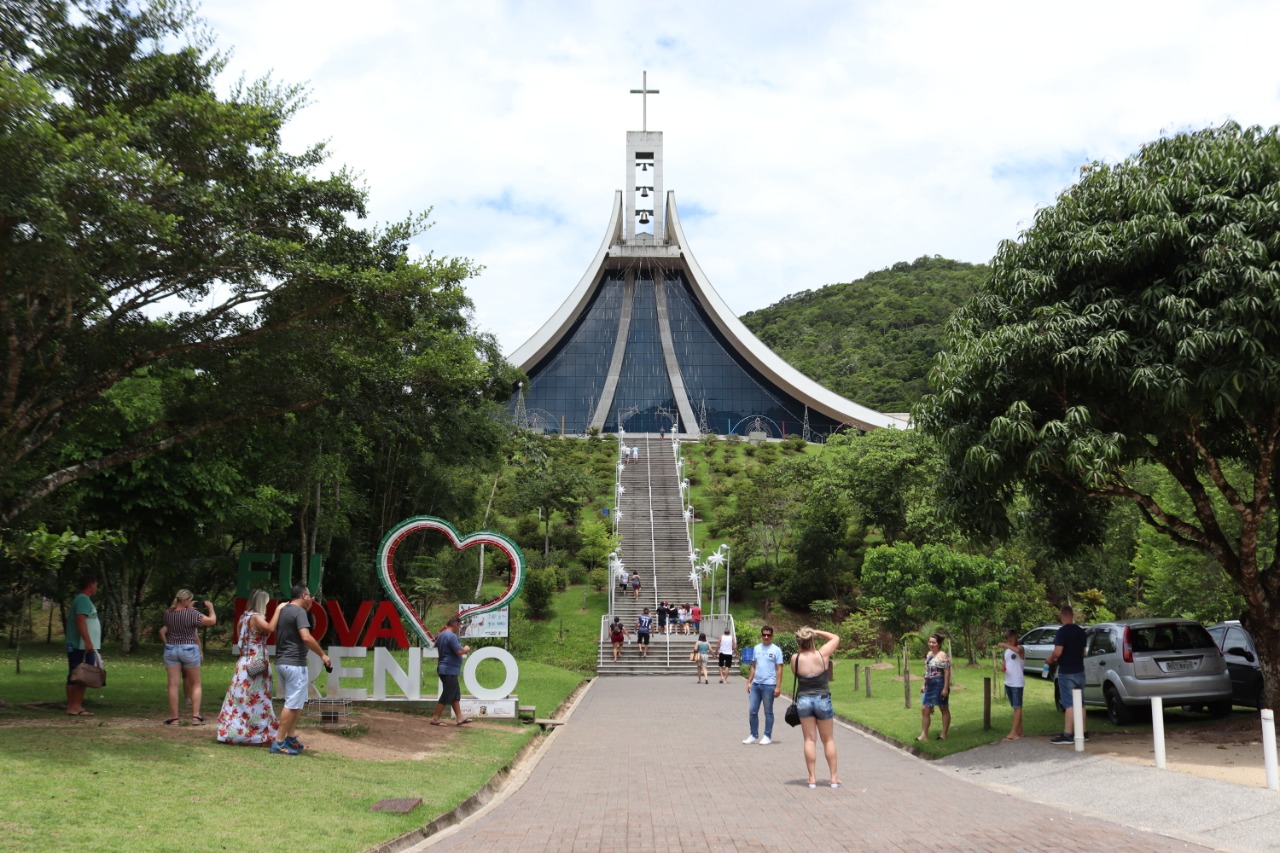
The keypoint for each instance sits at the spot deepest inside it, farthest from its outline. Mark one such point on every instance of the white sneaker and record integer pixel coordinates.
(751, 739)
(765, 741)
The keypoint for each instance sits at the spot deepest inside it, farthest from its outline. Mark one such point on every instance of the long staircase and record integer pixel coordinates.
(655, 543)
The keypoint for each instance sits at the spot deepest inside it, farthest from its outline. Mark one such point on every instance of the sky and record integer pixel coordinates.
(806, 143)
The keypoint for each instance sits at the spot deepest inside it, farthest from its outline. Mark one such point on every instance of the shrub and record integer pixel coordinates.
(539, 587)
(598, 577)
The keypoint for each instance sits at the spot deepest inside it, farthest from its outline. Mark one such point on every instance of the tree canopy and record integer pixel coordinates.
(871, 340)
(1137, 320)
(153, 230)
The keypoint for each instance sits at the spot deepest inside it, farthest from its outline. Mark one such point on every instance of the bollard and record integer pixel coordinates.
(1077, 716)
(986, 704)
(866, 677)
(1157, 729)
(855, 678)
(906, 687)
(1269, 747)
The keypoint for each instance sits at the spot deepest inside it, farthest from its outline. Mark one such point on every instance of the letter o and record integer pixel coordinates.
(498, 654)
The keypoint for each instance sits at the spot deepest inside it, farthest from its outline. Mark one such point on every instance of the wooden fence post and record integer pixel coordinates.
(986, 703)
(906, 687)
(866, 677)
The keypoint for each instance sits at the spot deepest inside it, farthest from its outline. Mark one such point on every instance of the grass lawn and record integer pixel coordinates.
(124, 781)
(885, 713)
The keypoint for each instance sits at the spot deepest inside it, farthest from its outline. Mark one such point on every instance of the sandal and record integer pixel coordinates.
(197, 720)
(464, 722)
(439, 723)
(171, 721)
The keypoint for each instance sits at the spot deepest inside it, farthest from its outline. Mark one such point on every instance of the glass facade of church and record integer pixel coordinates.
(725, 392)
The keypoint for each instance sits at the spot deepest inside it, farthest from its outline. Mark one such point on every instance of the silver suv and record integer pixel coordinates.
(1128, 662)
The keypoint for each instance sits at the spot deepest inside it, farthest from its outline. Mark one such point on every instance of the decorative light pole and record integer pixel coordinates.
(693, 573)
(714, 562)
(725, 547)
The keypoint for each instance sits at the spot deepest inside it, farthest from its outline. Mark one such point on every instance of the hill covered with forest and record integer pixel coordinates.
(870, 340)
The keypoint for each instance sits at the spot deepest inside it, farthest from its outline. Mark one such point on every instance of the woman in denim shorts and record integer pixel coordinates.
(182, 652)
(813, 699)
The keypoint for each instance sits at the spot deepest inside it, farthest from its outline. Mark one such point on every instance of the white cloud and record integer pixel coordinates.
(814, 142)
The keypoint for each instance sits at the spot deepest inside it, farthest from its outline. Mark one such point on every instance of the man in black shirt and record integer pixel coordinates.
(1068, 654)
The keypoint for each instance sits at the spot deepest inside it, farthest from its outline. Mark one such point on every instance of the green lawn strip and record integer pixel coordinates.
(884, 712)
(126, 786)
(137, 790)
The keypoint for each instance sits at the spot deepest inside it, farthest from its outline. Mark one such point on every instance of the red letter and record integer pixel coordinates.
(386, 624)
(348, 634)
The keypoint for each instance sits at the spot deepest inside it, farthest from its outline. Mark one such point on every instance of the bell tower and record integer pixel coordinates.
(642, 220)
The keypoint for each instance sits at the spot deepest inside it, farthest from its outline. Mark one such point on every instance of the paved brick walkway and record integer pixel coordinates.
(656, 764)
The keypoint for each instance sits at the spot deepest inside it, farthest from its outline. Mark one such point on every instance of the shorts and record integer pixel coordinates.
(816, 705)
(449, 690)
(697, 626)
(1068, 681)
(933, 694)
(642, 639)
(726, 661)
(1014, 695)
(75, 657)
(662, 621)
(294, 680)
(188, 657)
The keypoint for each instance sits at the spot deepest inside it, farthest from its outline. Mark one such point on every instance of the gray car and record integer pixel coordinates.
(1128, 662)
(1038, 644)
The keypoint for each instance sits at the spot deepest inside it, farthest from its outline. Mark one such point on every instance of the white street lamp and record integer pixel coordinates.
(725, 547)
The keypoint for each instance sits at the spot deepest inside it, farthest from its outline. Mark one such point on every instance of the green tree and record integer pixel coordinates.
(36, 555)
(150, 226)
(1137, 320)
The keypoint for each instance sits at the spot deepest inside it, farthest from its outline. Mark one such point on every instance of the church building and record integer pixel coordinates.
(644, 343)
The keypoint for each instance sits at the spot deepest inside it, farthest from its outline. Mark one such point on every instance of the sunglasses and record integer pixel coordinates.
(766, 636)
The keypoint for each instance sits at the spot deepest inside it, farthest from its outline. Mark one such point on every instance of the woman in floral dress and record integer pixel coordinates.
(247, 715)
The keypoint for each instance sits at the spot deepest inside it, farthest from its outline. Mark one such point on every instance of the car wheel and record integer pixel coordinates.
(1220, 709)
(1119, 713)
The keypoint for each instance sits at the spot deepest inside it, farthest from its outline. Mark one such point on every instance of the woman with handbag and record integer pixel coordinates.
(701, 650)
(813, 699)
(182, 651)
(247, 715)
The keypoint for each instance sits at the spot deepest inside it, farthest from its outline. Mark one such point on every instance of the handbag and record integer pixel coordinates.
(256, 667)
(792, 714)
(91, 675)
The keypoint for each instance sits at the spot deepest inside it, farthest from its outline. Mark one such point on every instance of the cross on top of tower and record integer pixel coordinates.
(644, 92)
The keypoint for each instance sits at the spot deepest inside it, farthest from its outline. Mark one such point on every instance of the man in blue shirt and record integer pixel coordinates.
(449, 667)
(644, 624)
(1068, 654)
(763, 686)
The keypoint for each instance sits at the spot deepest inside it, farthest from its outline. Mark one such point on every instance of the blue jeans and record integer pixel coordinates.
(761, 693)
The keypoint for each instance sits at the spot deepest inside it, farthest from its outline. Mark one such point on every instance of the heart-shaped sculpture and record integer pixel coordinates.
(397, 534)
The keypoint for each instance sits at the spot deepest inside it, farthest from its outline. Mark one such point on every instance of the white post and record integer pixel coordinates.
(1157, 729)
(1077, 711)
(1269, 747)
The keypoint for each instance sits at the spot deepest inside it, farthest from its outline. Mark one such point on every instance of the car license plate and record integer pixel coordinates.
(1179, 665)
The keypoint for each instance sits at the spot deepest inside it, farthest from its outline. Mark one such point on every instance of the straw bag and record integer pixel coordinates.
(91, 675)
